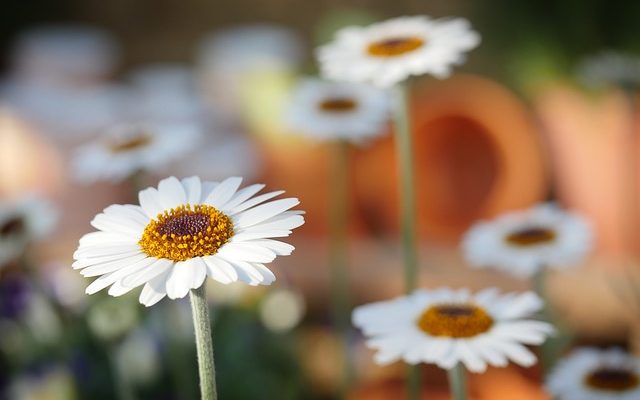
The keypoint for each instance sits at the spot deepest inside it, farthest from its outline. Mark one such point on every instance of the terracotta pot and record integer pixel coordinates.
(477, 154)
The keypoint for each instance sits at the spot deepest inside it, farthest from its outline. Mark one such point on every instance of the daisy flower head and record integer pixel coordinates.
(594, 374)
(21, 222)
(524, 242)
(184, 231)
(446, 327)
(126, 149)
(610, 67)
(326, 110)
(388, 52)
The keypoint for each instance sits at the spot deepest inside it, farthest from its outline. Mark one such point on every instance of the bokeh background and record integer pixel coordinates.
(513, 127)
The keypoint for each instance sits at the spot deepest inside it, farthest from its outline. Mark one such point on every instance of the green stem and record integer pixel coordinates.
(339, 223)
(404, 158)
(404, 155)
(204, 343)
(457, 382)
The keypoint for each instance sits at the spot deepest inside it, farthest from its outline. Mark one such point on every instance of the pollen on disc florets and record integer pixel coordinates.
(394, 47)
(612, 379)
(455, 320)
(186, 232)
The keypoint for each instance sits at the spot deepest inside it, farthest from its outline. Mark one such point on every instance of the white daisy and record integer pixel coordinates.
(593, 374)
(184, 231)
(126, 149)
(328, 110)
(388, 52)
(611, 67)
(446, 327)
(523, 242)
(22, 222)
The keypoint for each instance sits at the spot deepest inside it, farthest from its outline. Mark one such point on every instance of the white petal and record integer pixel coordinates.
(105, 268)
(117, 289)
(108, 279)
(220, 270)
(107, 250)
(158, 266)
(171, 193)
(265, 211)
(118, 225)
(246, 251)
(154, 290)
(185, 275)
(105, 238)
(254, 201)
(150, 202)
(193, 189)
(223, 192)
(243, 195)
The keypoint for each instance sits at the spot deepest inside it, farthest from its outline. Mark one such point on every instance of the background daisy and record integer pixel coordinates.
(446, 327)
(326, 110)
(184, 231)
(594, 374)
(523, 242)
(388, 52)
(126, 149)
(21, 222)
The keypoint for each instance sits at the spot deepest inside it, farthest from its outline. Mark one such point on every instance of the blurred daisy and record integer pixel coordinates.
(183, 232)
(22, 222)
(129, 148)
(389, 52)
(523, 242)
(328, 110)
(593, 374)
(611, 67)
(446, 327)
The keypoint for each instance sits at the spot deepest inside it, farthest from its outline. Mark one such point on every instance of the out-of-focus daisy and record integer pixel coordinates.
(282, 310)
(523, 242)
(64, 55)
(21, 222)
(165, 92)
(594, 374)
(388, 52)
(611, 67)
(447, 327)
(184, 231)
(328, 110)
(129, 148)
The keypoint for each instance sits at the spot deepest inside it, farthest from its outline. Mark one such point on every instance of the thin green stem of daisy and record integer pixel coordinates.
(404, 156)
(338, 248)
(457, 382)
(204, 343)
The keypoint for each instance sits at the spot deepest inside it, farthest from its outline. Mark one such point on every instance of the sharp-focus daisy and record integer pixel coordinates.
(446, 327)
(593, 374)
(22, 222)
(328, 110)
(129, 148)
(523, 242)
(388, 52)
(184, 231)
(609, 68)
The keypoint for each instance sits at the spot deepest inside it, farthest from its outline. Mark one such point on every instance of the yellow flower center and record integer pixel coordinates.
(12, 226)
(531, 236)
(455, 320)
(394, 47)
(612, 379)
(338, 104)
(186, 232)
(130, 143)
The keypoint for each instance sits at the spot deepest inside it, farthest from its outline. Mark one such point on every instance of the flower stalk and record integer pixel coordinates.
(338, 249)
(404, 157)
(204, 343)
(457, 382)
